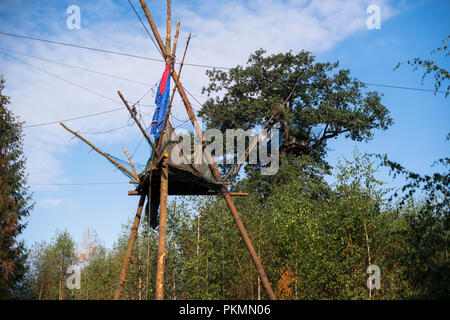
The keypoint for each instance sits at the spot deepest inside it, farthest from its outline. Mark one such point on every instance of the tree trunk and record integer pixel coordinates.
(129, 251)
(42, 287)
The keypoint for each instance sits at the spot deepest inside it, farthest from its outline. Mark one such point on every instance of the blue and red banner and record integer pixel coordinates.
(162, 103)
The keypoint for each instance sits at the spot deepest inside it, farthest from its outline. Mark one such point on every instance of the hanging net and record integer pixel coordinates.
(139, 167)
(189, 171)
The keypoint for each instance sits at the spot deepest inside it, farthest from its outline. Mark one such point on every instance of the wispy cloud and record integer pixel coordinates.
(50, 202)
(226, 32)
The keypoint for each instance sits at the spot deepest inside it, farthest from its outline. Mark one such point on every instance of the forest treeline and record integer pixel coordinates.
(315, 239)
(316, 228)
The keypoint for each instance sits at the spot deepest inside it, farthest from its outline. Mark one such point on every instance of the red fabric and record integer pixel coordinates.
(164, 79)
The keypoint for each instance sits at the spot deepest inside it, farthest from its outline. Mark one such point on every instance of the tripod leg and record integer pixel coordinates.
(126, 260)
(249, 245)
(162, 234)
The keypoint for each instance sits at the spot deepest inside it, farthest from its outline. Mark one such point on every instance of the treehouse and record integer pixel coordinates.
(185, 176)
(171, 169)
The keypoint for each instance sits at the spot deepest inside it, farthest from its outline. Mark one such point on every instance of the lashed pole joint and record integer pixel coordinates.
(133, 114)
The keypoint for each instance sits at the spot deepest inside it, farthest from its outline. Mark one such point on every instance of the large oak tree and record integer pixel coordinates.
(326, 102)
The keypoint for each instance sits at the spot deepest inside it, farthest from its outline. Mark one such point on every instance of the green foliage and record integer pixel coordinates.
(428, 235)
(321, 236)
(427, 262)
(325, 102)
(429, 228)
(315, 241)
(15, 199)
(49, 265)
(441, 76)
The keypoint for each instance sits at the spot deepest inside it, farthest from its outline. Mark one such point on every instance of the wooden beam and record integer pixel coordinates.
(130, 161)
(174, 50)
(166, 119)
(134, 193)
(234, 194)
(101, 152)
(153, 27)
(226, 196)
(136, 120)
(162, 233)
(169, 26)
(175, 77)
(126, 260)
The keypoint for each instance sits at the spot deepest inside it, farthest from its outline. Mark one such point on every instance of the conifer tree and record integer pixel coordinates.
(15, 199)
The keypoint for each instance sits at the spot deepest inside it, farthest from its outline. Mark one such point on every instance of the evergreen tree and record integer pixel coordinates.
(15, 199)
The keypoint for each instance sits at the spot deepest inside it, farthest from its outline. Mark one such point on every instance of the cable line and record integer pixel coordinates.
(65, 80)
(139, 17)
(81, 47)
(77, 67)
(106, 131)
(187, 64)
(106, 51)
(399, 87)
(80, 87)
(71, 119)
(76, 184)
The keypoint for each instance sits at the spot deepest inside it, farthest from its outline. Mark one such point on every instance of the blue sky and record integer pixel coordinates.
(226, 33)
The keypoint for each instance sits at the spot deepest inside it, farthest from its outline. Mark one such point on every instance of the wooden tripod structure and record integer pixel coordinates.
(160, 168)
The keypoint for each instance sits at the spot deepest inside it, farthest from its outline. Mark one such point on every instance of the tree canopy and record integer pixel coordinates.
(315, 239)
(441, 75)
(326, 102)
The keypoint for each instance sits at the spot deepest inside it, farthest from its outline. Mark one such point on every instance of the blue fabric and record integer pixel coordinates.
(269, 143)
(162, 103)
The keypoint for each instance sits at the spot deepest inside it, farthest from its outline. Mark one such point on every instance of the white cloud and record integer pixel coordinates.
(50, 202)
(226, 33)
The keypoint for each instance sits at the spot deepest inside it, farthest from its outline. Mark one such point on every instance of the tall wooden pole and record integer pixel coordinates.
(215, 170)
(169, 26)
(130, 161)
(126, 260)
(174, 75)
(174, 89)
(153, 26)
(162, 231)
(176, 40)
(161, 260)
(136, 120)
(101, 152)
